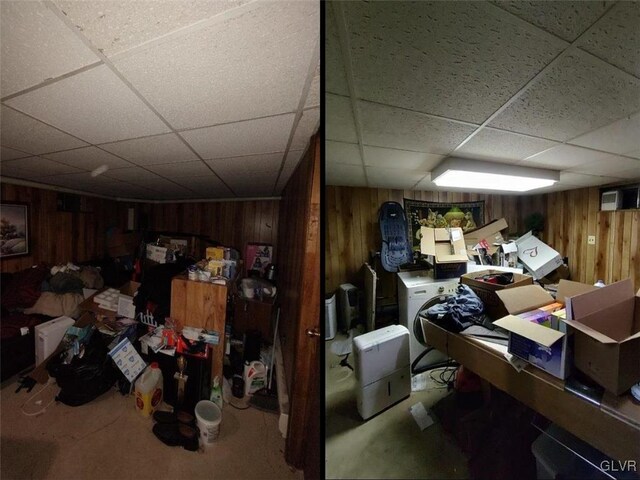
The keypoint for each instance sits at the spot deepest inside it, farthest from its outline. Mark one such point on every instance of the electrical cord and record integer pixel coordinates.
(33, 414)
(239, 408)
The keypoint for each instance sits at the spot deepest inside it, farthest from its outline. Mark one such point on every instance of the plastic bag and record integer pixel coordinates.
(84, 378)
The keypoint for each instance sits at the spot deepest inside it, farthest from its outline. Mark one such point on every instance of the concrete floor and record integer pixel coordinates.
(389, 445)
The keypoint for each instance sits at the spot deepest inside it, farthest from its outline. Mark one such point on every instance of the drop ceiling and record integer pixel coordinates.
(551, 84)
(181, 100)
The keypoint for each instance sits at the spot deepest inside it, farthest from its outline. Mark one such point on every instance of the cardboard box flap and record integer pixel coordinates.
(601, 298)
(487, 232)
(522, 299)
(614, 324)
(568, 288)
(590, 331)
(538, 333)
(447, 245)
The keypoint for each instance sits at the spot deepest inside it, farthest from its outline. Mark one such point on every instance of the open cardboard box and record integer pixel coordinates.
(448, 248)
(490, 233)
(493, 306)
(538, 257)
(544, 347)
(606, 322)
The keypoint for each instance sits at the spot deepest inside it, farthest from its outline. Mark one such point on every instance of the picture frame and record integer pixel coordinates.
(14, 230)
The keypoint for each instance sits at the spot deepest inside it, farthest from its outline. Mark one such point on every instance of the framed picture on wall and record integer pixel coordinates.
(14, 230)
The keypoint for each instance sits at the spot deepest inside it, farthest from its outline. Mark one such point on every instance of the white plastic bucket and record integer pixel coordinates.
(208, 416)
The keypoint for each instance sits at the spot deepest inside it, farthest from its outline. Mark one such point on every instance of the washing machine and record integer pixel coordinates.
(415, 290)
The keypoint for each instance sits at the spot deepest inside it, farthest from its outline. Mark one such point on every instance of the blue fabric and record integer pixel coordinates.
(459, 311)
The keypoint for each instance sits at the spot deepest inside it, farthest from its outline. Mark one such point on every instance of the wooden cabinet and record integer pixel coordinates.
(202, 305)
(250, 314)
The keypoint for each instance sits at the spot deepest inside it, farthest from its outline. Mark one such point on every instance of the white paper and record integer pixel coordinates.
(419, 382)
(127, 359)
(421, 416)
(510, 247)
(455, 235)
(517, 363)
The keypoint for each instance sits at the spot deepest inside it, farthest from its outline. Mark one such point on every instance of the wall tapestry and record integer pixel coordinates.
(466, 215)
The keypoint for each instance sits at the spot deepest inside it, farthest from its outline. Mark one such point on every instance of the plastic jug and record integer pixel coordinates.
(148, 388)
(255, 377)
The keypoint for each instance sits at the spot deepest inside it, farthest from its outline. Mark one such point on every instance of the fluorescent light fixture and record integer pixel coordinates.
(480, 175)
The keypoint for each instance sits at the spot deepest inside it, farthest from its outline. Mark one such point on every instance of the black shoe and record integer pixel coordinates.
(177, 434)
(170, 417)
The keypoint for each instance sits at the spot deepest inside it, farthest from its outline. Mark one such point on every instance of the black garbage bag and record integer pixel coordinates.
(460, 311)
(86, 378)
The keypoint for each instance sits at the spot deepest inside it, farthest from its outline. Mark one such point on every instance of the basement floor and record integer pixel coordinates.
(108, 439)
(389, 445)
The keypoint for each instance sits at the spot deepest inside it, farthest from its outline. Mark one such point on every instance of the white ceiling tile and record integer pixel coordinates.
(245, 67)
(181, 170)
(290, 165)
(126, 174)
(84, 181)
(616, 38)
(426, 185)
(393, 177)
(461, 60)
(94, 105)
(265, 135)
(208, 186)
(340, 152)
(390, 127)
(634, 154)
(566, 19)
(611, 165)
(339, 119)
(12, 154)
(345, 175)
(563, 157)
(36, 46)
(400, 159)
(42, 167)
(570, 100)
(621, 137)
(241, 173)
(152, 150)
(88, 158)
(13, 168)
(307, 126)
(336, 78)
(582, 180)
(24, 133)
(491, 144)
(313, 98)
(117, 26)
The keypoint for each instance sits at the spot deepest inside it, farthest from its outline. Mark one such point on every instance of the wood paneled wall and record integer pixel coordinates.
(572, 216)
(59, 237)
(299, 294)
(233, 224)
(352, 229)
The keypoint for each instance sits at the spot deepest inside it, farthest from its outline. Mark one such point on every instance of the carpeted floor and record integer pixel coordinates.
(108, 439)
(389, 445)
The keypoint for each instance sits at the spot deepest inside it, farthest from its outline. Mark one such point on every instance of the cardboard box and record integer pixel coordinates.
(447, 247)
(215, 253)
(493, 306)
(490, 233)
(542, 346)
(538, 257)
(126, 308)
(606, 324)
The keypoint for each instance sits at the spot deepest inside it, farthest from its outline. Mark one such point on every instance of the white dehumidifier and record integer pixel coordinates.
(49, 335)
(382, 367)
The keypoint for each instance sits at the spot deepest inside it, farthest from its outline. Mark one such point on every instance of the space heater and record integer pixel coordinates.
(348, 305)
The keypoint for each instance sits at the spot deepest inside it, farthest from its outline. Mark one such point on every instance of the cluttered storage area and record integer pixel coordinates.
(507, 325)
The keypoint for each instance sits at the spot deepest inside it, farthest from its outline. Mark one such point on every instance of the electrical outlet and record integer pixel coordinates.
(591, 239)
